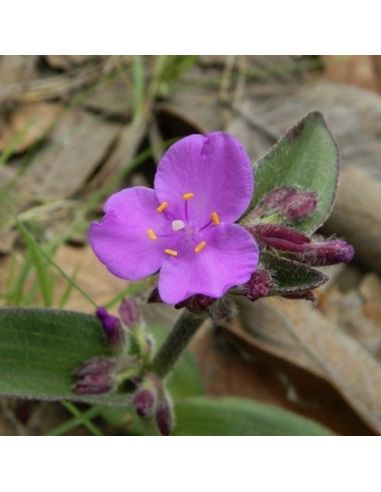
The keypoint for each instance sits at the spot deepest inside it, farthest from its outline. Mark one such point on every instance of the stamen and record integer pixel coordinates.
(200, 246)
(171, 252)
(188, 196)
(215, 218)
(162, 207)
(151, 234)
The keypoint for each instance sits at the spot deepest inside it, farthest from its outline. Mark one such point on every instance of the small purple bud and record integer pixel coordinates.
(196, 303)
(280, 237)
(163, 417)
(288, 202)
(300, 205)
(144, 401)
(259, 285)
(94, 377)
(327, 253)
(112, 328)
(129, 312)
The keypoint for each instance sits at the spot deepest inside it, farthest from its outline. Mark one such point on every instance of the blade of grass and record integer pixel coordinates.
(33, 241)
(42, 270)
(74, 422)
(84, 420)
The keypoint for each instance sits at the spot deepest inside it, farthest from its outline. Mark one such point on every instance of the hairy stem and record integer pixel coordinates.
(181, 334)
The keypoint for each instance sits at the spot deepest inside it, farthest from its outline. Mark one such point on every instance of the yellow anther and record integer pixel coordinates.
(171, 252)
(162, 207)
(215, 218)
(200, 246)
(151, 234)
(188, 196)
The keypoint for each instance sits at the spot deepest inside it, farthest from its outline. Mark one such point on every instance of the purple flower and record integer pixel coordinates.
(112, 328)
(185, 226)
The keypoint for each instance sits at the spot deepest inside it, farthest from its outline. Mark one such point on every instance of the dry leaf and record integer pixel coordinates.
(26, 125)
(299, 334)
(79, 143)
(360, 70)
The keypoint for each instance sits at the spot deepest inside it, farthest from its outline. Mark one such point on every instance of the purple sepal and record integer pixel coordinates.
(129, 312)
(259, 285)
(112, 328)
(144, 401)
(94, 377)
(288, 202)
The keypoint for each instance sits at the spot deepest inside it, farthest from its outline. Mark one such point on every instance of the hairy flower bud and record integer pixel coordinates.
(144, 401)
(164, 416)
(259, 285)
(328, 253)
(287, 202)
(129, 312)
(112, 328)
(94, 377)
(280, 237)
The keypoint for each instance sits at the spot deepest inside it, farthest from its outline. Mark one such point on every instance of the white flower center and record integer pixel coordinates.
(177, 225)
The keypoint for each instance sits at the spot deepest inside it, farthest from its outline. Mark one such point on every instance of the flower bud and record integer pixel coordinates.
(280, 237)
(327, 253)
(144, 401)
(129, 312)
(164, 416)
(288, 202)
(112, 328)
(259, 285)
(94, 377)
(299, 205)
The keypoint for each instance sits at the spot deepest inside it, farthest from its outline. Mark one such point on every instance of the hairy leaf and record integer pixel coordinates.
(306, 157)
(40, 349)
(290, 276)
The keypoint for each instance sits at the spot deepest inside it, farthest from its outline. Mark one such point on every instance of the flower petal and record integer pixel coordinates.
(215, 168)
(228, 259)
(121, 241)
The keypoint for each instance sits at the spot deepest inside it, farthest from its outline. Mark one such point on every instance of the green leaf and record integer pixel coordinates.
(291, 276)
(202, 416)
(306, 157)
(40, 349)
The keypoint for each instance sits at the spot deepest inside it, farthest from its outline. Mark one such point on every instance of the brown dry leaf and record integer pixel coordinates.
(66, 62)
(361, 70)
(92, 276)
(17, 68)
(299, 334)
(113, 97)
(26, 125)
(79, 143)
(231, 366)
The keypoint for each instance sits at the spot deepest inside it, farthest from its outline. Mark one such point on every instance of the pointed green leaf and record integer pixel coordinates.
(202, 416)
(291, 276)
(40, 349)
(306, 157)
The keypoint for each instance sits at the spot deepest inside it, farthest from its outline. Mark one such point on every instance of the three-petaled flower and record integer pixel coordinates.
(185, 226)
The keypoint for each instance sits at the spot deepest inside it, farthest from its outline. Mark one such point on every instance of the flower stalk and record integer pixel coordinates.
(181, 334)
